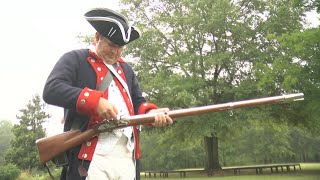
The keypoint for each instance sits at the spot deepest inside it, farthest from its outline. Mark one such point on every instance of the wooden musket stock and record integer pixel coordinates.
(50, 147)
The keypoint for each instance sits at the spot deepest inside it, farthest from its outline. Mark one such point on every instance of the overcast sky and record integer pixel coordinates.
(34, 34)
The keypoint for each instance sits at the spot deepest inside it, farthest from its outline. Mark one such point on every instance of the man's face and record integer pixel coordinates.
(107, 50)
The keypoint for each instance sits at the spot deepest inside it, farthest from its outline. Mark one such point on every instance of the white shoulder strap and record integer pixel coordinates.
(124, 84)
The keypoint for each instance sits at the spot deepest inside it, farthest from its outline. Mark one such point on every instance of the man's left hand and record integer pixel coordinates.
(161, 117)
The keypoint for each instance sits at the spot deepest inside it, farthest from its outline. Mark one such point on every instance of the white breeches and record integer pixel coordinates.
(116, 165)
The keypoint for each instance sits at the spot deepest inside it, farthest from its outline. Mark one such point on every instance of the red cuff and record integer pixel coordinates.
(145, 107)
(88, 101)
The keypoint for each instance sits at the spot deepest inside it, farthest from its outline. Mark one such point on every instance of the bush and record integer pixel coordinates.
(9, 172)
(39, 174)
(55, 173)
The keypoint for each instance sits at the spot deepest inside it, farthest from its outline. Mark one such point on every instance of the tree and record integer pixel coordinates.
(303, 48)
(6, 136)
(180, 154)
(23, 150)
(205, 52)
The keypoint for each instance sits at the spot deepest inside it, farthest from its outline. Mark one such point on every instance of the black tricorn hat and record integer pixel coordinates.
(112, 25)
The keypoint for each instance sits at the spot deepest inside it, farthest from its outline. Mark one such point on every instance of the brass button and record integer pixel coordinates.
(88, 143)
(83, 101)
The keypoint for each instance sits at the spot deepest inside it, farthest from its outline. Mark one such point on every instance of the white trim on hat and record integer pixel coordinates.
(125, 39)
(111, 11)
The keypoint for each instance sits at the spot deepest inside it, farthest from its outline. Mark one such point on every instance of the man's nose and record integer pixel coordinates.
(115, 50)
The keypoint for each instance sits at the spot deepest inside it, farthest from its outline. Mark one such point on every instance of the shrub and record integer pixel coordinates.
(9, 172)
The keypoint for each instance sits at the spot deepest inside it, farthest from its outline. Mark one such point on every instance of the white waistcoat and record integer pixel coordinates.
(107, 141)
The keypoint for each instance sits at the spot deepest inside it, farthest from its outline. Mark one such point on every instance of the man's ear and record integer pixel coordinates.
(97, 36)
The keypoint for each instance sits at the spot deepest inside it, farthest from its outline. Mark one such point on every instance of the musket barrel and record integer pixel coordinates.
(294, 97)
(149, 118)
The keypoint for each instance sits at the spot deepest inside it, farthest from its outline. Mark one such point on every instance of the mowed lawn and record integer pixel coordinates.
(310, 171)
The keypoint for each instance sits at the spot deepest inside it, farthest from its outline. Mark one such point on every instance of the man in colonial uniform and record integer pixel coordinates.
(95, 84)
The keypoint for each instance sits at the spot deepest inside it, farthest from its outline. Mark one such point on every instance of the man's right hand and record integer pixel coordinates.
(106, 110)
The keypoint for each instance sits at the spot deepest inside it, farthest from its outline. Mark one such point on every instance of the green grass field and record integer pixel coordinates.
(310, 171)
